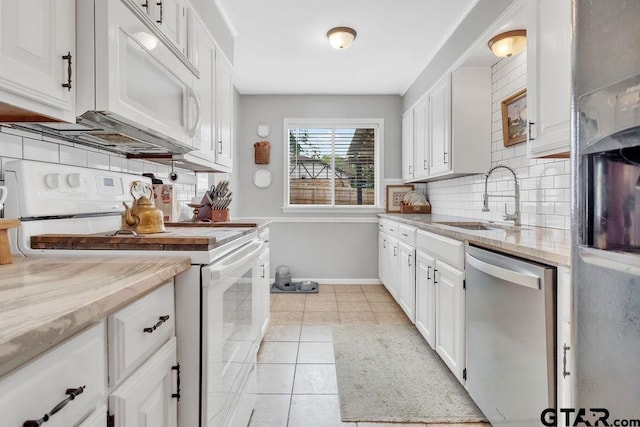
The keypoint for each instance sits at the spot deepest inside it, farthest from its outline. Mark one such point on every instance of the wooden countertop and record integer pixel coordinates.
(546, 245)
(45, 300)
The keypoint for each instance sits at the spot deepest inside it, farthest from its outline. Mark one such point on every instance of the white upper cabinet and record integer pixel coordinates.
(170, 16)
(37, 53)
(452, 126)
(549, 78)
(421, 139)
(224, 113)
(203, 56)
(407, 146)
(440, 126)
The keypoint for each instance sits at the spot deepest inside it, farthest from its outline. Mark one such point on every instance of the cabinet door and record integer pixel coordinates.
(450, 317)
(407, 279)
(549, 77)
(382, 257)
(422, 135)
(565, 345)
(425, 297)
(407, 146)
(204, 59)
(440, 126)
(392, 267)
(36, 35)
(171, 17)
(224, 112)
(264, 294)
(146, 399)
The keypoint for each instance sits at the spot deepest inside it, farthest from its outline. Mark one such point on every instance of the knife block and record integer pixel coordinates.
(220, 215)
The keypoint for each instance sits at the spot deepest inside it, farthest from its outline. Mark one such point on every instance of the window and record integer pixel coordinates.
(333, 163)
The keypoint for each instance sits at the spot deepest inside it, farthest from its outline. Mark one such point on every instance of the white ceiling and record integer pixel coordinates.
(281, 45)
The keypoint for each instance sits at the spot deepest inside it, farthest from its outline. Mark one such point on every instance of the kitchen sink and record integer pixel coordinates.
(478, 225)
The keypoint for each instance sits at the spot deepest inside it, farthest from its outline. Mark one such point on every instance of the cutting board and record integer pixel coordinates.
(175, 239)
(5, 249)
(211, 224)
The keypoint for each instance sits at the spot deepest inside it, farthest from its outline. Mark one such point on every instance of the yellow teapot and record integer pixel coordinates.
(143, 217)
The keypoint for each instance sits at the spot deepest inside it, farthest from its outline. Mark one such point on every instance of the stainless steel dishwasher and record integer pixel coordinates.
(510, 331)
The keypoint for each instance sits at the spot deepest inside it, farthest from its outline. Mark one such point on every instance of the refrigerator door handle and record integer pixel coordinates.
(511, 276)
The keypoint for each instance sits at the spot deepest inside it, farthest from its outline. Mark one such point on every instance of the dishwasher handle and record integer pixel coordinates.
(522, 279)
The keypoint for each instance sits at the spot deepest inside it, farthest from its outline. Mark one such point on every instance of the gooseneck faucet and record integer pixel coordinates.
(515, 216)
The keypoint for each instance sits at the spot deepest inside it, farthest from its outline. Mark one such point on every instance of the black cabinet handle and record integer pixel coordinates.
(565, 348)
(146, 4)
(530, 137)
(161, 320)
(68, 58)
(434, 276)
(159, 21)
(176, 395)
(71, 392)
(428, 272)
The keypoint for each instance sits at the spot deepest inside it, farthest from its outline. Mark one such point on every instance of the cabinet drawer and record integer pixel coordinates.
(393, 228)
(97, 419)
(445, 249)
(407, 234)
(383, 225)
(37, 387)
(138, 330)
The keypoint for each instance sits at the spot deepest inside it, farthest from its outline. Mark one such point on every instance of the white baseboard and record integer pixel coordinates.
(326, 281)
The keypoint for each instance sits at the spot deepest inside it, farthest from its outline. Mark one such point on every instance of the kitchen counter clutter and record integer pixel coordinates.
(546, 245)
(45, 300)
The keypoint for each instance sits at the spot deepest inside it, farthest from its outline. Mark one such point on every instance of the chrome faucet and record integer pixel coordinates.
(515, 216)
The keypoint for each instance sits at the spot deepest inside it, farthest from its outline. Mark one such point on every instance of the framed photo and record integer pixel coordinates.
(395, 195)
(514, 118)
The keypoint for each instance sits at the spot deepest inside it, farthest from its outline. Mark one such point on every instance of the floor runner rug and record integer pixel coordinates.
(390, 374)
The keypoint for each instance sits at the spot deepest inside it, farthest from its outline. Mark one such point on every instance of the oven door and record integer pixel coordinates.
(229, 334)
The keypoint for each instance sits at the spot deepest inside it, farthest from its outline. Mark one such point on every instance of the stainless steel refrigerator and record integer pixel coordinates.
(606, 208)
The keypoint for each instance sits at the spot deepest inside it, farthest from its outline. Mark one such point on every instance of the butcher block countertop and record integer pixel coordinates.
(45, 300)
(182, 238)
(546, 245)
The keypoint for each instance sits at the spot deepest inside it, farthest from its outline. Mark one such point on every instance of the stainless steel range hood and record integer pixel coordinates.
(111, 133)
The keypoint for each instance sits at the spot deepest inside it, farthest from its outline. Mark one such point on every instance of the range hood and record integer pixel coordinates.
(111, 133)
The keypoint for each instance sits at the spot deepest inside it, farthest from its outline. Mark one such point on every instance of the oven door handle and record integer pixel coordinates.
(244, 256)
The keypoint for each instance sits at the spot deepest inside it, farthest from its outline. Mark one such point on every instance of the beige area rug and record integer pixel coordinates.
(390, 374)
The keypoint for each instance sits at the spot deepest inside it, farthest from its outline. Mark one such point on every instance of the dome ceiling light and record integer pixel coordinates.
(341, 37)
(508, 43)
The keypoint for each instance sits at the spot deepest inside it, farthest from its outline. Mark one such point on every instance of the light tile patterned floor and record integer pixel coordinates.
(296, 369)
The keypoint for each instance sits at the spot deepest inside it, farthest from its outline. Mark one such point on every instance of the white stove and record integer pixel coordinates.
(217, 343)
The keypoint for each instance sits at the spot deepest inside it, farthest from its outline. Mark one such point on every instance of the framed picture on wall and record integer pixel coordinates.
(514, 118)
(395, 195)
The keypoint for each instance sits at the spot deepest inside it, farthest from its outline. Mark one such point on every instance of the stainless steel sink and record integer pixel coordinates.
(478, 225)
(467, 225)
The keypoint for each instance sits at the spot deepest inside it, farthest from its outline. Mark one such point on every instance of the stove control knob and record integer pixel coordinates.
(52, 180)
(73, 179)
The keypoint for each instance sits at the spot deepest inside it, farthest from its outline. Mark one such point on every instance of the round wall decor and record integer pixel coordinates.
(263, 130)
(262, 178)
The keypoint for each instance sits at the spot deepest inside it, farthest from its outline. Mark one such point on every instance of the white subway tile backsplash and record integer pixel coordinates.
(40, 151)
(97, 160)
(73, 156)
(544, 183)
(135, 166)
(10, 145)
(118, 164)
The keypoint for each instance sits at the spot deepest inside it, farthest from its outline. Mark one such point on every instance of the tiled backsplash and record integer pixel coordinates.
(544, 184)
(16, 144)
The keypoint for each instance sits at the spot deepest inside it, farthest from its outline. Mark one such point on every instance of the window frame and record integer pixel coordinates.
(377, 123)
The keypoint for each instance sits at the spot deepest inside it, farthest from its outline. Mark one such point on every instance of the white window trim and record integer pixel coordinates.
(378, 162)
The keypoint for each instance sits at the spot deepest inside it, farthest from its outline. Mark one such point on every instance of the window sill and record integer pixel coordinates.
(332, 210)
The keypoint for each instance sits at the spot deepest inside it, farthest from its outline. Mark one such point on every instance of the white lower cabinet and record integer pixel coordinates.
(148, 398)
(407, 279)
(565, 345)
(77, 368)
(426, 297)
(392, 278)
(264, 294)
(143, 364)
(450, 316)
(440, 298)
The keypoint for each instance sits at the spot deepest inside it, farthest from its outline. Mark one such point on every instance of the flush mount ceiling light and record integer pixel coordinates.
(509, 43)
(341, 37)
